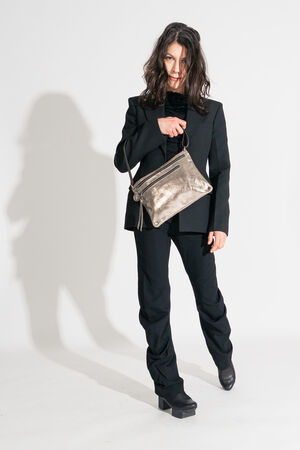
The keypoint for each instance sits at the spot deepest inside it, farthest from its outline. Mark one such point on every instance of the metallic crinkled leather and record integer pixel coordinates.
(172, 187)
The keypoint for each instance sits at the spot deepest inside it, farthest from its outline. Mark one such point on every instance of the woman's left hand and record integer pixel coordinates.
(220, 239)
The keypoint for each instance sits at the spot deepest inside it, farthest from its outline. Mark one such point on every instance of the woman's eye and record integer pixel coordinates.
(170, 57)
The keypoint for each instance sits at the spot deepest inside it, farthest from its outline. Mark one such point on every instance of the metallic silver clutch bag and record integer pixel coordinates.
(172, 187)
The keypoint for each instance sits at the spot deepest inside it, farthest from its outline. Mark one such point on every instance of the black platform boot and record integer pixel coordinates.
(182, 405)
(227, 377)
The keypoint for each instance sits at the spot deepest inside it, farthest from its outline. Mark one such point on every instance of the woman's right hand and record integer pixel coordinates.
(172, 126)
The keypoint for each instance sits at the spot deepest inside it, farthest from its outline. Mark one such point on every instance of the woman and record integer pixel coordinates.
(176, 100)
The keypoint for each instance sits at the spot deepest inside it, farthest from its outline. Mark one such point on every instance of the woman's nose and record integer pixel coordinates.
(176, 67)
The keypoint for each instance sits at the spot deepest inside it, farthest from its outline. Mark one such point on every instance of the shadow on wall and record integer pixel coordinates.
(69, 233)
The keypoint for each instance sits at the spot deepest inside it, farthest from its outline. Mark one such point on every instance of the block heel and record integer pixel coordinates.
(182, 405)
(162, 403)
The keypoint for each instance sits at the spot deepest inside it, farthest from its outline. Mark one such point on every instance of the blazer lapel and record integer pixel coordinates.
(156, 114)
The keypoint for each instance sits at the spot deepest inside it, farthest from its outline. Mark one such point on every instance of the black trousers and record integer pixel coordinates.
(153, 250)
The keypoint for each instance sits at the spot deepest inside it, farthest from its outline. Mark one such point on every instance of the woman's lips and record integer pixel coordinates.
(173, 78)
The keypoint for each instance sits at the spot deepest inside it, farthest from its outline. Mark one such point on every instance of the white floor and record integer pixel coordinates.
(96, 399)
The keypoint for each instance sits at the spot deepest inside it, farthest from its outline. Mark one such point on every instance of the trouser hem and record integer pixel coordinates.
(169, 390)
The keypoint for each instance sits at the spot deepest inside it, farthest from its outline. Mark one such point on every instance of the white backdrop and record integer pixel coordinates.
(68, 268)
(67, 71)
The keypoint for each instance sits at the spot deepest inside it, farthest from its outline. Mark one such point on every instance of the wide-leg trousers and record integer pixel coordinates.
(153, 250)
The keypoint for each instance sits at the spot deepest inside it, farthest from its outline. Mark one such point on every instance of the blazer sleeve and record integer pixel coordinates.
(140, 139)
(219, 173)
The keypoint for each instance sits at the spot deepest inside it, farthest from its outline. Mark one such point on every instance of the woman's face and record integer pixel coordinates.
(175, 64)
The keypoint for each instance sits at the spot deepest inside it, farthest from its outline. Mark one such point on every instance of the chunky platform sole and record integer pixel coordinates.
(176, 412)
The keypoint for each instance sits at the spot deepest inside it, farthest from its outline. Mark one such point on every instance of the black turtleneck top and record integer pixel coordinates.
(175, 106)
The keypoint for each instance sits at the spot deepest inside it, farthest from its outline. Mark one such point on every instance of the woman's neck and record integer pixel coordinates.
(177, 92)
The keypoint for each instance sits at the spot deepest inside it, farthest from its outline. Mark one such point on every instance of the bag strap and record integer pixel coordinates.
(126, 161)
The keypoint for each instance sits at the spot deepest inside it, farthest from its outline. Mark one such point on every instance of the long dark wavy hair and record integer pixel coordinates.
(197, 84)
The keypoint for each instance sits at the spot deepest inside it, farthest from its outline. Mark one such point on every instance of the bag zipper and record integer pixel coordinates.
(157, 170)
(141, 215)
(162, 176)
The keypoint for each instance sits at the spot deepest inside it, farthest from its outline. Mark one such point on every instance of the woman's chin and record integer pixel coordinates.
(174, 85)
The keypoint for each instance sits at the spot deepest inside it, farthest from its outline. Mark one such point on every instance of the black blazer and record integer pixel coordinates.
(207, 143)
